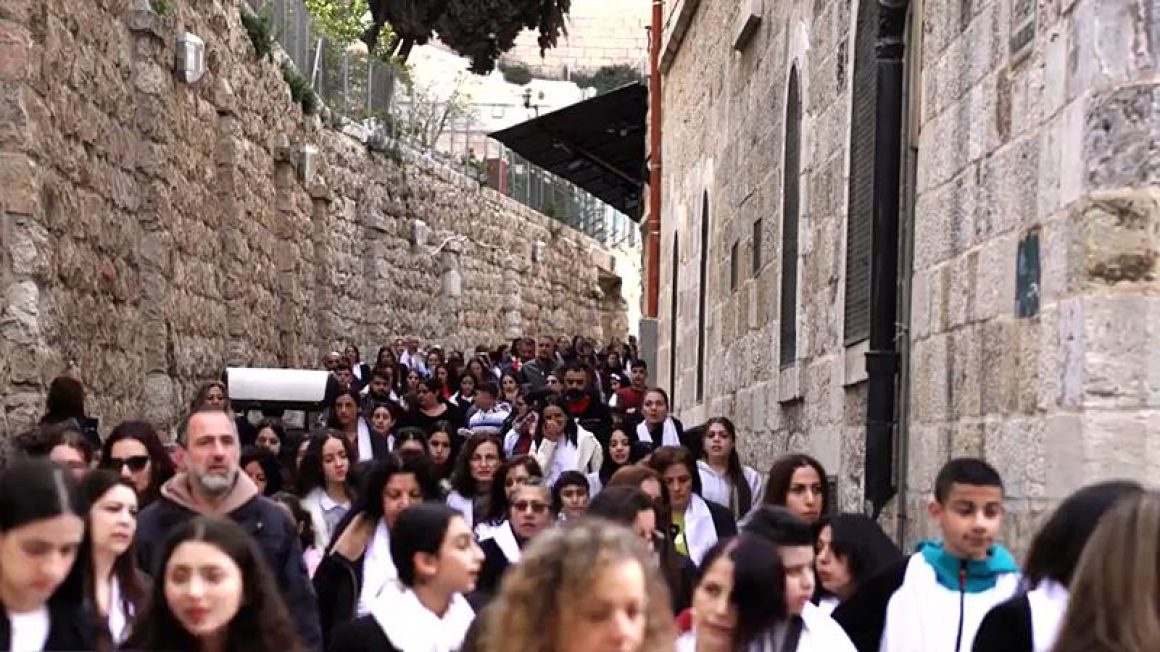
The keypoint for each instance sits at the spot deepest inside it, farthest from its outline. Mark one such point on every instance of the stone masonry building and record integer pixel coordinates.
(1028, 303)
(154, 231)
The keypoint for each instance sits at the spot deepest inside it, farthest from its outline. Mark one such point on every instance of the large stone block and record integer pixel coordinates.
(1119, 233)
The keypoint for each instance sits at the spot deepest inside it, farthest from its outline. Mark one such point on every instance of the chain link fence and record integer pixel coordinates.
(361, 88)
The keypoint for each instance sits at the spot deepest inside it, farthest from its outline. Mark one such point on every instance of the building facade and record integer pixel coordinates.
(1027, 248)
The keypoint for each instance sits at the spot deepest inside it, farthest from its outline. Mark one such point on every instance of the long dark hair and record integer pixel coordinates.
(860, 541)
(302, 517)
(95, 485)
(381, 472)
(311, 474)
(758, 585)
(332, 413)
(262, 623)
(270, 466)
(35, 490)
(461, 480)
(571, 430)
(161, 467)
(734, 469)
(447, 469)
(66, 400)
(497, 504)
(1056, 549)
(666, 456)
(781, 476)
(636, 453)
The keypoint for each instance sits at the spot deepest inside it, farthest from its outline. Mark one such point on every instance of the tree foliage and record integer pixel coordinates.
(607, 78)
(480, 30)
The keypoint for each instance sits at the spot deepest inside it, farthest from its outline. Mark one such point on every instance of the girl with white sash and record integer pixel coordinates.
(437, 561)
(359, 566)
(115, 590)
(658, 427)
(696, 524)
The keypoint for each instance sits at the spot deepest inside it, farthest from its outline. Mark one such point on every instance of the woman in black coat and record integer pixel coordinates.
(343, 583)
(437, 561)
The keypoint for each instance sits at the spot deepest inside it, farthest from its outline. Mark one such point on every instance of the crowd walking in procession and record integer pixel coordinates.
(532, 498)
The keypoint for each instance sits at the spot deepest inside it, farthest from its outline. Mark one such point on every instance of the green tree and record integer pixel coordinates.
(607, 78)
(480, 30)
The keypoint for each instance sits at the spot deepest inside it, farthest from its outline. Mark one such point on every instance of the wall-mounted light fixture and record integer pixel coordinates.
(190, 64)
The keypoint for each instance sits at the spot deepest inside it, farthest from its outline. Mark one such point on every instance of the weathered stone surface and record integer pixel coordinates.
(162, 231)
(1063, 142)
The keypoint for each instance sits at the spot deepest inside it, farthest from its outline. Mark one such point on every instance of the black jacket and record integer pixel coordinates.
(68, 629)
(1006, 627)
(495, 564)
(276, 536)
(360, 635)
(337, 581)
(596, 418)
(863, 615)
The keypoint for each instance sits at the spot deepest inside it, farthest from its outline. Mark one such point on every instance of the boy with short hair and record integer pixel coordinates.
(935, 600)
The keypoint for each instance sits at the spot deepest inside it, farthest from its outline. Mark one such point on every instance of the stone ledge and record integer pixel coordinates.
(855, 367)
(789, 387)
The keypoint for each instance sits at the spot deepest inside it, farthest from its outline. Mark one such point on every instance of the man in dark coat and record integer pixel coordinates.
(213, 486)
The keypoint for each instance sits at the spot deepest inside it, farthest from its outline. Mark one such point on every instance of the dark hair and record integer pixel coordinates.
(860, 541)
(575, 365)
(446, 470)
(568, 479)
(571, 430)
(332, 416)
(276, 426)
(658, 390)
(497, 504)
(758, 585)
(262, 622)
(780, 526)
(410, 433)
(391, 407)
(35, 490)
(385, 373)
(40, 441)
(420, 528)
(965, 470)
(1056, 549)
(620, 504)
(433, 384)
(638, 364)
(95, 485)
(781, 476)
(666, 456)
(734, 469)
(509, 374)
(357, 353)
(636, 453)
(310, 473)
(270, 466)
(301, 517)
(66, 400)
(487, 387)
(461, 480)
(160, 464)
(381, 472)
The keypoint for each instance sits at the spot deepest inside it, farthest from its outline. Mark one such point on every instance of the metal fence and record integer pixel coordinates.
(361, 88)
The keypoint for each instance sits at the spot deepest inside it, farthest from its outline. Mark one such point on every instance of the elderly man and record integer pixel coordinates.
(212, 486)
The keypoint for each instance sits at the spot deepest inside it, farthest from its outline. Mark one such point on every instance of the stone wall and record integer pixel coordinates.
(600, 33)
(1026, 126)
(154, 232)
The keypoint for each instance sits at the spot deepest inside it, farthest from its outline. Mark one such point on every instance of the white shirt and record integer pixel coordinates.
(821, 633)
(718, 488)
(29, 630)
(565, 459)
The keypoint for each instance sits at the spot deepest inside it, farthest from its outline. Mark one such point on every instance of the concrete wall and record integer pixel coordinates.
(154, 231)
(1059, 140)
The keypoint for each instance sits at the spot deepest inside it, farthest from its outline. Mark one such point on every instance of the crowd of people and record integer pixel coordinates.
(532, 498)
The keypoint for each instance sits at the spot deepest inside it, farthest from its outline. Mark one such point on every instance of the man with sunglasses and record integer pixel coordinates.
(530, 514)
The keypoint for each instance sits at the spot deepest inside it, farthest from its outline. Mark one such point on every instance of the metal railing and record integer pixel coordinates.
(361, 88)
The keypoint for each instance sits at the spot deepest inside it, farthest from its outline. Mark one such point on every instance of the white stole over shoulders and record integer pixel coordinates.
(365, 450)
(118, 620)
(378, 568)
(505, 538)
(700, 533)
(410, 626)
(1048, 603)
(669, 436)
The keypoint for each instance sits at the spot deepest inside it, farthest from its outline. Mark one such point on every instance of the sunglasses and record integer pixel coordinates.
(525, 505)
(135, 462)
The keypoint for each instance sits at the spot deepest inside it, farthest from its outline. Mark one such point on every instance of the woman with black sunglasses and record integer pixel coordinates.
(134, 451)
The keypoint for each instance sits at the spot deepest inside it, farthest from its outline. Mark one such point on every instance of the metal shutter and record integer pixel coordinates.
(860, 217)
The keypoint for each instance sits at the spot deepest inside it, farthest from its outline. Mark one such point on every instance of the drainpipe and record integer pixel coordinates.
(653, 241)
(882, 358)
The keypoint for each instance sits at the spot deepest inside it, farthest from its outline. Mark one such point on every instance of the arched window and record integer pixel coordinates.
(703, 308)
(860, 213)
(790, 211)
